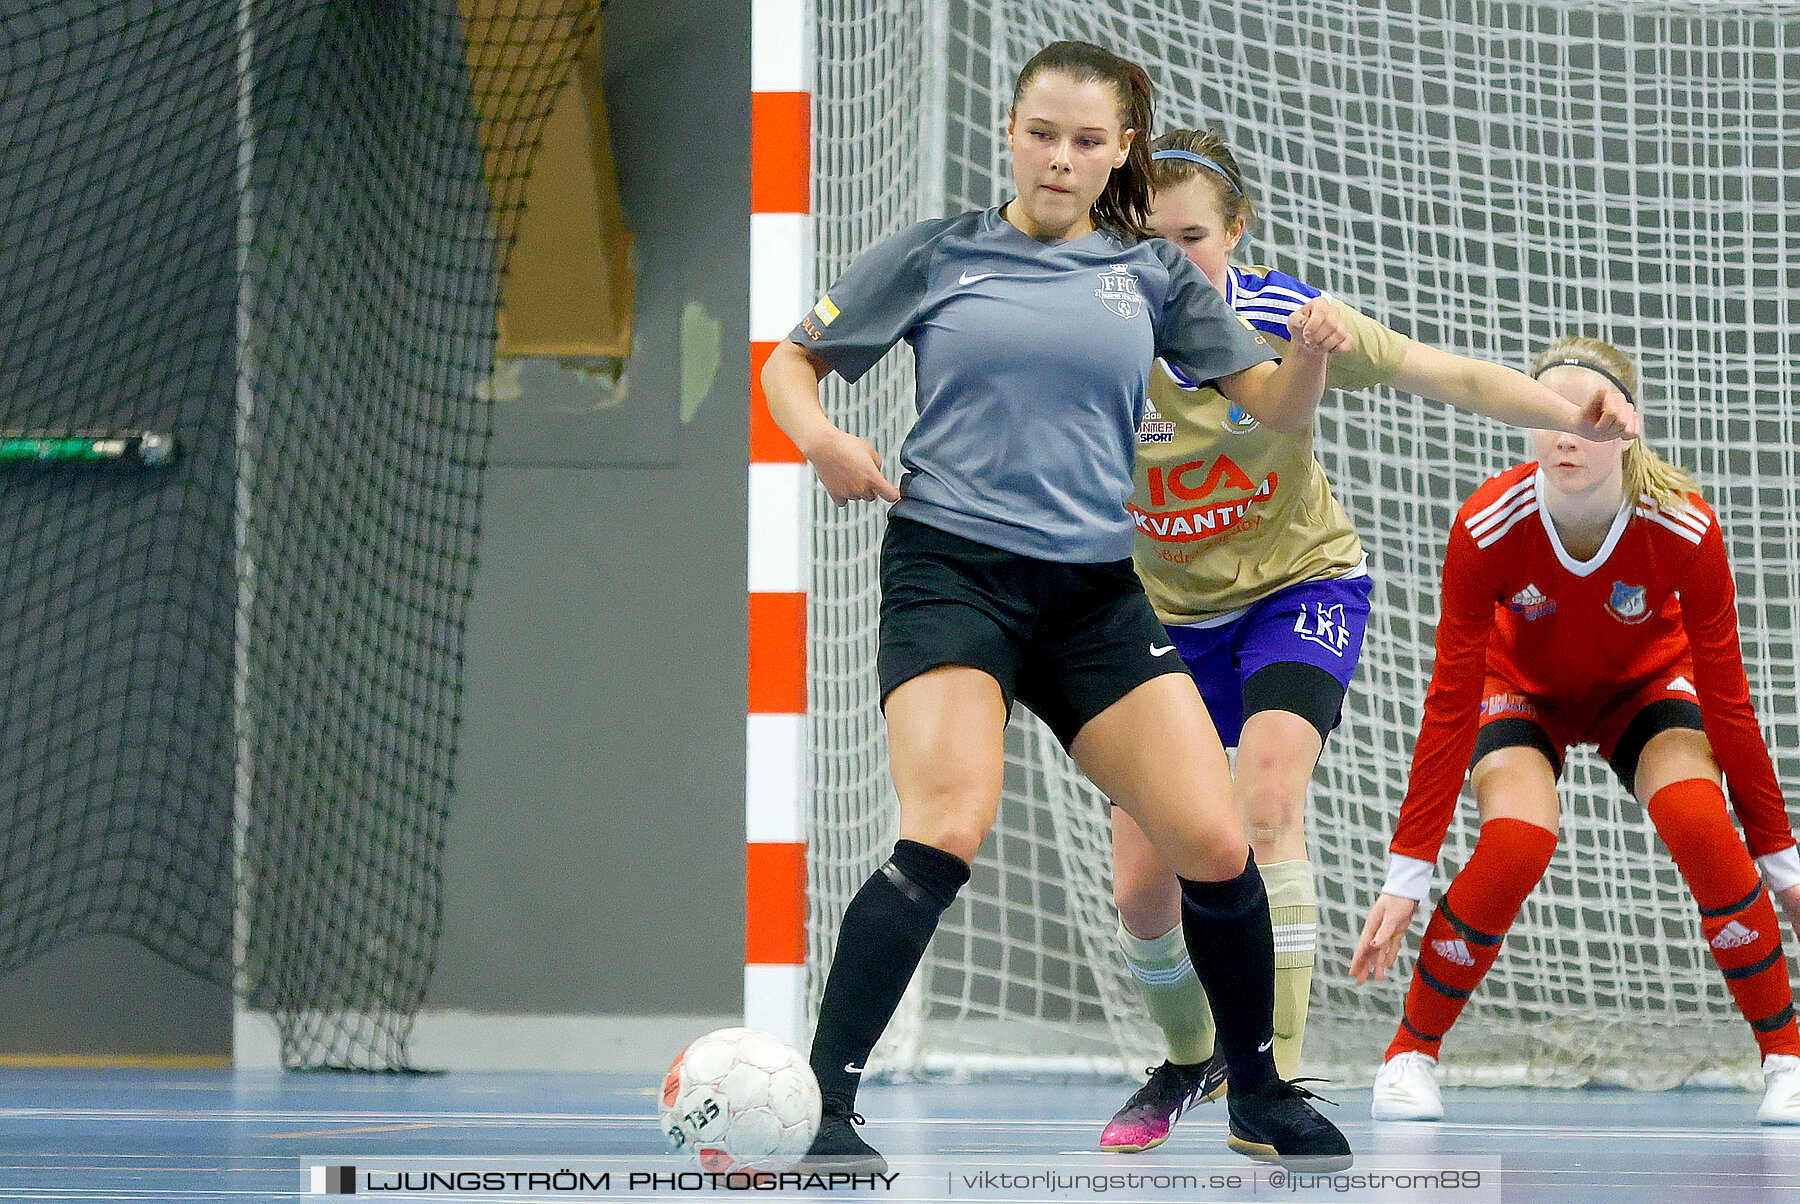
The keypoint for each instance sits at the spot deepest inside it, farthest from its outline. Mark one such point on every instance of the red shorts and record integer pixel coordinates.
(1599, 722)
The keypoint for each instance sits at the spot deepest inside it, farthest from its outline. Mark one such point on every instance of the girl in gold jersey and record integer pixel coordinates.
(1258, 577)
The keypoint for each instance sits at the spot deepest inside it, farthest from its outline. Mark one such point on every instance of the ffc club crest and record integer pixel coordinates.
(1628, 603)
(1118, 291)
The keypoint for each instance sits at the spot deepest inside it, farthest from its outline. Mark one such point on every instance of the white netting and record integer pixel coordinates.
(1482, 176)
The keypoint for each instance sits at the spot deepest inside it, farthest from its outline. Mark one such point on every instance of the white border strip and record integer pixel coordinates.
(780, 249)
(775, 779)
(779, 46)
(775, 1001)
(780, 528)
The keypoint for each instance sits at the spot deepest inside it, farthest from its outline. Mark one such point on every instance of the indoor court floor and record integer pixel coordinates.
(196, 1136)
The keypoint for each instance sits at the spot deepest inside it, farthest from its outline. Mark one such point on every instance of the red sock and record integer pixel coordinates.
(1736, 913)
(1465, 932)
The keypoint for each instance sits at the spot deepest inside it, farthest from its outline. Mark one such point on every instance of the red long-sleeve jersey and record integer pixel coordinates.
(1576, 633)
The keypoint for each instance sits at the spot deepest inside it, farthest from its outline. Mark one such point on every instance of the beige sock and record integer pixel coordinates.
(1294, 912)
(1172, 993)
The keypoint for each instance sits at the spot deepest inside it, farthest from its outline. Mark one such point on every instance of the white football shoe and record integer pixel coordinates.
(1781, 1100)
(1406, 1088)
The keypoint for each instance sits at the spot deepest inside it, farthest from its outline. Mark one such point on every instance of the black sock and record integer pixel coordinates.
(883, 936)
(1232, 947)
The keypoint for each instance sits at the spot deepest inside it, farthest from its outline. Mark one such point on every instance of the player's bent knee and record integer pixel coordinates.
(1270, 840)
(1517, 782)
(956, 835)
(1210, 863)
(1675, 754)
(1273, 814)
(1691, 819)
(960, 795)
(1150, 904)
(1525, 846)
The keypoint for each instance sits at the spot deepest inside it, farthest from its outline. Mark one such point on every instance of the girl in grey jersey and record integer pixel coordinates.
(1032, 365)
(1006, 567)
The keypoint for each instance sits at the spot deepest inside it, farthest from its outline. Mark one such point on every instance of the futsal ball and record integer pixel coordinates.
(740, 1099)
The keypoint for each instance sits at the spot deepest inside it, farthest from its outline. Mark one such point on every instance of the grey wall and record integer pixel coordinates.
(105, 996)
(116, 297)
(595, 850)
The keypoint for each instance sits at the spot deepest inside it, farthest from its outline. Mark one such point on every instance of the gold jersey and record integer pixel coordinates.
(1228, 511)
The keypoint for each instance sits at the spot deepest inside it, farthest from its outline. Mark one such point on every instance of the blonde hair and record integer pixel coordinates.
(1646, 474)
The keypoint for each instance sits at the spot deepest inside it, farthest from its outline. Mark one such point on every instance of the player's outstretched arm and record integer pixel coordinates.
(1284, 396)
(1507, 395)
(848, 467)
(1383, 934)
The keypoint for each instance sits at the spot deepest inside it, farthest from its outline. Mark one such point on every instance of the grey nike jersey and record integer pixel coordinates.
(1032, 363)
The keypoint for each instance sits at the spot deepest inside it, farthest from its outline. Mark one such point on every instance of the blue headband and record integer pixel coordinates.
(1212, 165)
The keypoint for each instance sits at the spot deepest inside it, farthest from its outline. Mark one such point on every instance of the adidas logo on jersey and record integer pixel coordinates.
(1154, 428)
(1733, 935)
(1454, 951)
(1684, 685)
(1530, 602)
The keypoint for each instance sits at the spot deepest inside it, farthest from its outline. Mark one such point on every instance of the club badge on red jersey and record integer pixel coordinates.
(1628, 603)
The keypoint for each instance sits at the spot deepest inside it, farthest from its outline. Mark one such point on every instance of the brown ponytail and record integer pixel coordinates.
(1124, 205)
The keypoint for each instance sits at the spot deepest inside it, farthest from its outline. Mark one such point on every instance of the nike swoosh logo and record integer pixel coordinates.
(1266, 1046)
(972, 277)
(852, 1068)
(1163, 651)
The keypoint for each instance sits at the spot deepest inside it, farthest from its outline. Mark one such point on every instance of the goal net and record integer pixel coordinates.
(230, 682)
(1481, 176)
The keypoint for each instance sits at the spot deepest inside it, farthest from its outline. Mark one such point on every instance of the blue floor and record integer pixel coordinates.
(218, 1136)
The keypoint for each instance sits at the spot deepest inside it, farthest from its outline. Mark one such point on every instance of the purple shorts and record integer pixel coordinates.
(1316, 623)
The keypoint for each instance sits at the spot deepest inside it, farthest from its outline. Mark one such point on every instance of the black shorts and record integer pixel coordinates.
(1067, 640)
(1664, 714)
